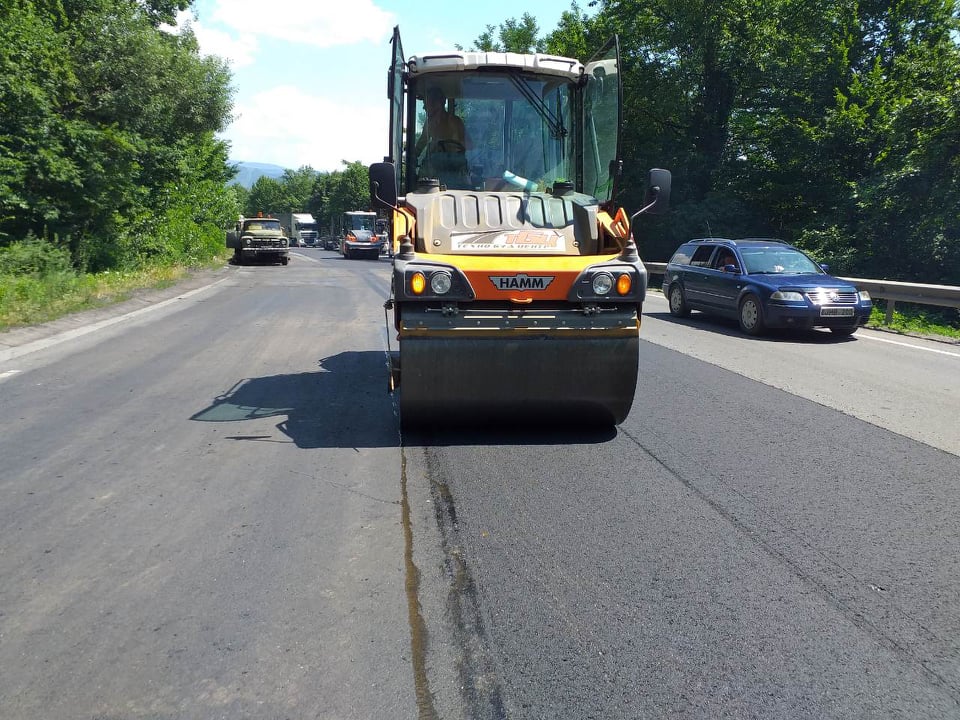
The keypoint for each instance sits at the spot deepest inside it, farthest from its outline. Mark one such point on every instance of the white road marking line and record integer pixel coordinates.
(907, 345)
(8, 374)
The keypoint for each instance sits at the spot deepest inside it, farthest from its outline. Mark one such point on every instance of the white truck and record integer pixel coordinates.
(301, 228)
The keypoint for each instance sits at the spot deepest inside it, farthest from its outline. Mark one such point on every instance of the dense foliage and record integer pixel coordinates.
(830, 124)
(325, 195)
(107, 134)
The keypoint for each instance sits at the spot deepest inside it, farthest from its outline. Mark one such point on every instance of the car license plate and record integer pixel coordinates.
(836, 312)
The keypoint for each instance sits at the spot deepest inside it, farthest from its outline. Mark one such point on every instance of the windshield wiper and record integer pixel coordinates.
(555, 123)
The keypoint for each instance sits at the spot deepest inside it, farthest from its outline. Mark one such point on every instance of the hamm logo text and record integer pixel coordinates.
(521, 282)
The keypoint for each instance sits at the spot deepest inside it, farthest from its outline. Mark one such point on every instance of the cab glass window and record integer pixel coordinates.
(518, 131)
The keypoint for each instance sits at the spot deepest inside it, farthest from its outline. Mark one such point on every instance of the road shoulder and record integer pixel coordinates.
(140, 299)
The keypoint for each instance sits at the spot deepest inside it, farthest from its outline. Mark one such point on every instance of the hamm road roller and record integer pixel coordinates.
(517, 287)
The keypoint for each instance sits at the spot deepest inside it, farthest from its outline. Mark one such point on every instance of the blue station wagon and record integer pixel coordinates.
(762, 284)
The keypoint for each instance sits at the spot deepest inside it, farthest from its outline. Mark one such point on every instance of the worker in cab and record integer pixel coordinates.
(443, 142)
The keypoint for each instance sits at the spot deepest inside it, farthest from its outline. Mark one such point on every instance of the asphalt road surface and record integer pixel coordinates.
(209, 511)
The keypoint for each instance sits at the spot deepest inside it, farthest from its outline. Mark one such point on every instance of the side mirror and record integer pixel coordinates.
(383, 185)
(825, 267)
(657, 198)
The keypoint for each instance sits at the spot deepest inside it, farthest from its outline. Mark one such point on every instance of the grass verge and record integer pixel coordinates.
(913, 321)
(31, 299)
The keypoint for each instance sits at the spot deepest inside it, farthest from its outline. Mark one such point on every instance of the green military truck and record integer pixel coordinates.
(258, 238)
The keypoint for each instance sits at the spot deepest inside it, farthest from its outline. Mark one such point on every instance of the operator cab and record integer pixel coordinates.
(531, 123)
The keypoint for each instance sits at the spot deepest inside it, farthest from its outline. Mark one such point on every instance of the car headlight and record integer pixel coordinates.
(602, 283)
(440, 283)
(864, 296)
(787, 296)
(246, 241)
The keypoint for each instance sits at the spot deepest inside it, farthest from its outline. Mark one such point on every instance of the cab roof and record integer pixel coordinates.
(458, 60)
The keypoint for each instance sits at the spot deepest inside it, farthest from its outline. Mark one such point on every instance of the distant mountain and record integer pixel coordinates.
(249, 172)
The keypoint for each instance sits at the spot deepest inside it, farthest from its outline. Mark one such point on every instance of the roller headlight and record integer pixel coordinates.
(440, 283)
(602, 283)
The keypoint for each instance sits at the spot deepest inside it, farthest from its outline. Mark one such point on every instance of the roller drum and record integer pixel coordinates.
(556, 378)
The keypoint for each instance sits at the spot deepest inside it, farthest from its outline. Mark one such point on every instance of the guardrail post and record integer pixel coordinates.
(891, 304)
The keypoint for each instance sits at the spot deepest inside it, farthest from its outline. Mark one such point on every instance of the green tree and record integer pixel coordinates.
(298, 186)
(518, 36)
(571, 37)
(267, 196)
(339, 191)
(35, 79)
(104, 118)
(826, 123)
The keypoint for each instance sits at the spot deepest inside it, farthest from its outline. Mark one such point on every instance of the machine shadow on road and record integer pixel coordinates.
(345, 404)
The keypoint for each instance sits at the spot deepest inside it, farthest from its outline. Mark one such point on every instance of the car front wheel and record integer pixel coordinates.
(678, 303)
(751, 316)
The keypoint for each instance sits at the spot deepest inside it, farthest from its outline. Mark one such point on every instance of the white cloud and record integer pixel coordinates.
(239, 50)
(301, 129)
(322, 24)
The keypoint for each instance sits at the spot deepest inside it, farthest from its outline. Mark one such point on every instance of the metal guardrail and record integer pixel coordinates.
(889, 290)
(892, 292)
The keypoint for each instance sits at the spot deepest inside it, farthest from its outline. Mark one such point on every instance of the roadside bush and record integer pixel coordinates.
(32, 298)
(35, 257)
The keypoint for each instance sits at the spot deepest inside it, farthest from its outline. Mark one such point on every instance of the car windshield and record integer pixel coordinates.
(777, 260)
(359, 222)
(264, 225)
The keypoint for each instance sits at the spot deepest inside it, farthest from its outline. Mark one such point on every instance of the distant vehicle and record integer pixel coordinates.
(383, 234)
(258, 238)
(301, 228)
(358, 235)
(762, 284)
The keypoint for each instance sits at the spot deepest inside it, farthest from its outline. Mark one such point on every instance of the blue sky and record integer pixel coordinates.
(310, 77)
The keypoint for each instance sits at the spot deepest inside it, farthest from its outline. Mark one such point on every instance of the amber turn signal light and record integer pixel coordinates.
(417, 283)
